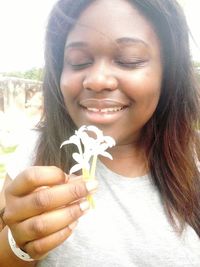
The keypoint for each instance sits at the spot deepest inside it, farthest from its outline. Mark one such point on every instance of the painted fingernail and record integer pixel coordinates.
(91, 185)
(72, 225)
(85, 205)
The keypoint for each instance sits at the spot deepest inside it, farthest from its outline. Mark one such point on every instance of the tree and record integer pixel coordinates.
(32, 74)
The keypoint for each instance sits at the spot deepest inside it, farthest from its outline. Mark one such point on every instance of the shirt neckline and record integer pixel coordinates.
(144, 179)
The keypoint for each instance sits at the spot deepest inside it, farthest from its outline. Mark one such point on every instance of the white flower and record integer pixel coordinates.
(75, 139)
(82, 163)
(88, 146)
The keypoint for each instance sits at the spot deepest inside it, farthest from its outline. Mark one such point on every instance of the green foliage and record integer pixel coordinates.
(7, 150)
(32, 74)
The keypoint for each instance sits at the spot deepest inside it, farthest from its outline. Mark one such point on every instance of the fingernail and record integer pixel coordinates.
(85, 205)
(91, 185)
(72, 225)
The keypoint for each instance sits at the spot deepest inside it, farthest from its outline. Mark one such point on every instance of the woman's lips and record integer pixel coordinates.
(103, 104)
(103, 110)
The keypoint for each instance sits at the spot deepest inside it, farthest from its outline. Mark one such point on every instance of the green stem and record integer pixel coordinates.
(89, 176)
(86, 174)
(93, 168)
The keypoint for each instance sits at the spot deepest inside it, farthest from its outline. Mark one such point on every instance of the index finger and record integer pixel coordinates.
(37, 176)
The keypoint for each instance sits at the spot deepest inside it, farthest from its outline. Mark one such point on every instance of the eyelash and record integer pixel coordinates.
(80, 66)
(130, 65)
(124, 64)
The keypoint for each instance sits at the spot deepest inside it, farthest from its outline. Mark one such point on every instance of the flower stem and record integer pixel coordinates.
(86, 174)
(86, 177)
(89, 176)
(92, 176)
(93, 168)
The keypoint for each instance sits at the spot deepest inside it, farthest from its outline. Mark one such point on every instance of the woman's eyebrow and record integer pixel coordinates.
(122, 40)
(130, 40)
(76, 45)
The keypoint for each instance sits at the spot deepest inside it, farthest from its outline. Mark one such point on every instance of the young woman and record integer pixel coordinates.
(123, 66)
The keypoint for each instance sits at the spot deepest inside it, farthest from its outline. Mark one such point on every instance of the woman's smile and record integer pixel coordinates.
(103, 115)
(103, 110)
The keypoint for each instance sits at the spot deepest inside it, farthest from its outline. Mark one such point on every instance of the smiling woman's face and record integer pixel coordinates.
(112, 70)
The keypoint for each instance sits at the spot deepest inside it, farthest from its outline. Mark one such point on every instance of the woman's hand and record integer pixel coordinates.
(43, 206)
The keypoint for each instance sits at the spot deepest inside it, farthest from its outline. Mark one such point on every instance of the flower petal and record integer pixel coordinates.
(65, 143)
(77, 157)
(85, 139)
(75, 168)
(109, 140)
(96, 130)
(80, 130)
(72, 140)
(106, 154)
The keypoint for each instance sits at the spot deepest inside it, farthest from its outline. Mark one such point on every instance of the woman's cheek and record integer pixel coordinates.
(143, 83)
(69, 84)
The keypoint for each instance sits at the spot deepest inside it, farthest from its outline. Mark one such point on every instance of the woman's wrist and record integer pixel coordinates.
(16, 250)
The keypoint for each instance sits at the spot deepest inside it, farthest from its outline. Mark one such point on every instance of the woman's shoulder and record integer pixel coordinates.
(24, 154)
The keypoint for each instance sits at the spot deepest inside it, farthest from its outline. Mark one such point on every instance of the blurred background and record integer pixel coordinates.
(22, 27)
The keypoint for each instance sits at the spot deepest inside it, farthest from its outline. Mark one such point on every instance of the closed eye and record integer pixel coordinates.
(79, 66)
(131, 64)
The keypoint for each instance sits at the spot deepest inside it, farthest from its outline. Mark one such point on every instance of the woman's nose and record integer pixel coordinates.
(100, 78)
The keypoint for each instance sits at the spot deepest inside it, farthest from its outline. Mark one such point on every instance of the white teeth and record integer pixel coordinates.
(105, 110)
(93, 109)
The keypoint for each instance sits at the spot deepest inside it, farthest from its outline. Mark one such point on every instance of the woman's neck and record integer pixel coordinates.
(128, 160)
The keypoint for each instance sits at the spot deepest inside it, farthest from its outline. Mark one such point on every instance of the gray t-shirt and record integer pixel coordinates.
(127, 228)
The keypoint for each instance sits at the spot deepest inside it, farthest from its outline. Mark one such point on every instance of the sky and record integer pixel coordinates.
(22, 27)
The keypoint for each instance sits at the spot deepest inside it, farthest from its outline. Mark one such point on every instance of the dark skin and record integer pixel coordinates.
(45, 199)
(125, 74)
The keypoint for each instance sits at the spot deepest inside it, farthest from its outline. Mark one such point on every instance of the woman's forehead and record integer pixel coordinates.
(111, 21)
